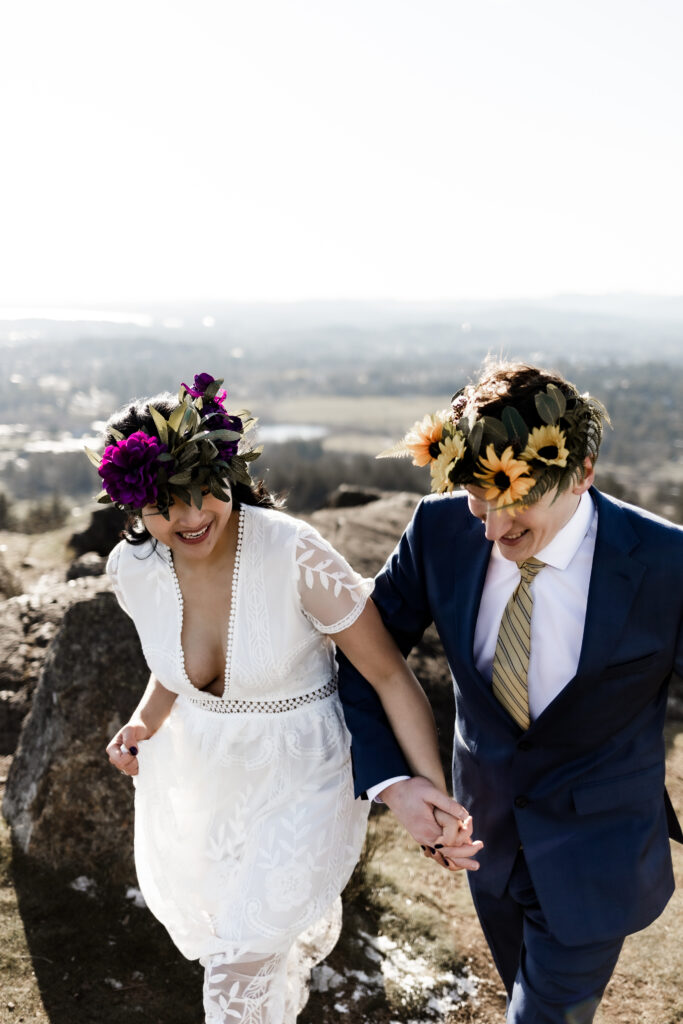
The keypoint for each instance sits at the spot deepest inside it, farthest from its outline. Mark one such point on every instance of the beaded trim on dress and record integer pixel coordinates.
(233, 605)
(226, 707)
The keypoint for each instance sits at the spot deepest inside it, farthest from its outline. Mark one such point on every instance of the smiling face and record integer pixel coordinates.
(520, 535)
(190, 532)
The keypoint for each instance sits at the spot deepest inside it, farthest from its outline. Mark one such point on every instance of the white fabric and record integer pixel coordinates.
(246, 825)
(374, 792)
(560, 599)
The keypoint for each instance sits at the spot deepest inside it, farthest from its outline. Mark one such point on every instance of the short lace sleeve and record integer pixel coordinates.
(113, 574)
(332, 595)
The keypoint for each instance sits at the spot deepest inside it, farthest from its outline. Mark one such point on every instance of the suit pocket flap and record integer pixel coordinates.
(594, 797)
(629, 668)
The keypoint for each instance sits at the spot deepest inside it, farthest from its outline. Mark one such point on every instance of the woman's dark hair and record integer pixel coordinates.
(136, 416)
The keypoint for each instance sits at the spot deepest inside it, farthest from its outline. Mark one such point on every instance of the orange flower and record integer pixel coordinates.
(422, 440)
(506, 478)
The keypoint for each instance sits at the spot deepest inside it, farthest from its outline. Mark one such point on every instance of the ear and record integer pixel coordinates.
(588, 477)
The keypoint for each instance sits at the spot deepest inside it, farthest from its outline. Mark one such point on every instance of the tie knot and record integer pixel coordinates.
(530, 569)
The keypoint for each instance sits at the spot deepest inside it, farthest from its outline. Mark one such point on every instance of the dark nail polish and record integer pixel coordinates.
(431, 849)
(423, 848)
(134, 751)
(438, 846)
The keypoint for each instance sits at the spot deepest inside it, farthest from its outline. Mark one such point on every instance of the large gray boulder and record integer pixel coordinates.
(66, 805)
(28, 623)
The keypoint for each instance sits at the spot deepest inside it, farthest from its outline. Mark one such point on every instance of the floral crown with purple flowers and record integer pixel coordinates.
(192, 453)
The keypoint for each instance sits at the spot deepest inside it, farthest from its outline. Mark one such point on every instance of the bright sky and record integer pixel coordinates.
(331, 149)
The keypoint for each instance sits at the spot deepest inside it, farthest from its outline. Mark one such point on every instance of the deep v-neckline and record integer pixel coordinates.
(230, 638)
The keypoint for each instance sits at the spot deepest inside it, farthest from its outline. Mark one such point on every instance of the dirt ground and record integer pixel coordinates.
(69, 955)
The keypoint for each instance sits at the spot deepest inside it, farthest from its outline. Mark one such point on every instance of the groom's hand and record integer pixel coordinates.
(414, 801)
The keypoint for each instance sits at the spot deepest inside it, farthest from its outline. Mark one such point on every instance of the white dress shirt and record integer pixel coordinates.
(560, 593)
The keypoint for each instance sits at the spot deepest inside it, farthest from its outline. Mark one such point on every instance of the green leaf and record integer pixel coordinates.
(559, 398)
(115, 433)
(217, 490)
(399, 450)
(494, 431)
(546, 408)
(197, 497)
(183, 494)
(180, 478)
(248, 421)
(238, 471)
(160, 423)
(93, 456)
(254, 454)
(475, 438)
(175, 419)
(104, 498)
(515, 426)
(213, 388)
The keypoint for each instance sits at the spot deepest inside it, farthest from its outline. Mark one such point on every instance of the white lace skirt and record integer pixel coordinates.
(246, 831)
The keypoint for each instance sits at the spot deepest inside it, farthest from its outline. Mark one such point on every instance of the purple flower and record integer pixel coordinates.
(201, 383)
(129, 469)
(219, 420)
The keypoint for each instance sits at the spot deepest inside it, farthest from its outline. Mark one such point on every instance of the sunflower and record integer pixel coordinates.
(422, 440)
(505, 478)
(547, 444)
(450, 450)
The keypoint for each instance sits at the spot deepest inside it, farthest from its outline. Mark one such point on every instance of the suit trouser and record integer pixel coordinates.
(546, 981)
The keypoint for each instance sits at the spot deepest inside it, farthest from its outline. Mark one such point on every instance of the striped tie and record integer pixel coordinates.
(513, 647)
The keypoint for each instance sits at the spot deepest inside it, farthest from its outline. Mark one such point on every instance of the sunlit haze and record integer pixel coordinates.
(338, 149)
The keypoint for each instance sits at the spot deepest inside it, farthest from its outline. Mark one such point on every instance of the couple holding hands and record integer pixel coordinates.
(280, 704)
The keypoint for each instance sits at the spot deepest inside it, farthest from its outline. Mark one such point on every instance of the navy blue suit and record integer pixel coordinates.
(582, 790)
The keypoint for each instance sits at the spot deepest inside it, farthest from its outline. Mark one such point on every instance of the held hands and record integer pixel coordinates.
(435, 821)
(123, 748)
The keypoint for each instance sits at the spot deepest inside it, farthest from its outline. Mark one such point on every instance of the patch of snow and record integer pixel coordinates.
(84, 884)
(136, 896)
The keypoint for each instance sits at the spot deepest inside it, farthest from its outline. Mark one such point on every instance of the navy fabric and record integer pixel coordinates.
(546, 982)
(583, 788)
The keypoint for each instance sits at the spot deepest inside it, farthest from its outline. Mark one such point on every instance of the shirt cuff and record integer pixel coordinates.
(374, 791)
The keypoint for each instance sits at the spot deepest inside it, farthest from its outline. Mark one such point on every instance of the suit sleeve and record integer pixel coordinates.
(400, 595)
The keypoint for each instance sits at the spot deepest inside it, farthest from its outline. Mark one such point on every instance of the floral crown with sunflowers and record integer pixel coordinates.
(516, 462)
(192, 453)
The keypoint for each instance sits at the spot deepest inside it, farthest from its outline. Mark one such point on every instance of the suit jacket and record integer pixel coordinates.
(583, 788)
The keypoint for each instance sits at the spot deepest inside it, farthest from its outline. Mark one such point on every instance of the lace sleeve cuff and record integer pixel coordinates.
(332, 595)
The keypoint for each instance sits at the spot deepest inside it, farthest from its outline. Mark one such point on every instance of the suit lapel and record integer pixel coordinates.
(615, 578)
(470, 574)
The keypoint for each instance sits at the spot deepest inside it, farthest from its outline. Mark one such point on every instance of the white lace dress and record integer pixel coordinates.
(246, 825)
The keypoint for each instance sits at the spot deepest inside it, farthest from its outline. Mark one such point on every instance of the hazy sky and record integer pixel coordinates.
(294, 149)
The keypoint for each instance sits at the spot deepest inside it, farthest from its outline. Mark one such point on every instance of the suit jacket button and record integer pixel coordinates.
(521, 801)
(524, 745)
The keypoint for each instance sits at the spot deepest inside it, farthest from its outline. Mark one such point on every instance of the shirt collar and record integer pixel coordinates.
(567, 541)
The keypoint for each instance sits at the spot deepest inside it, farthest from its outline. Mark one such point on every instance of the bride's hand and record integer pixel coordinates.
(123, 748)
(455, 848)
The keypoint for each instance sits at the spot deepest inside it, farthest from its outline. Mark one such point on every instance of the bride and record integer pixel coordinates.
(246, 828)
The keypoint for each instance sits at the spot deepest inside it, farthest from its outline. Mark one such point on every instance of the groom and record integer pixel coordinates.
(559, 610)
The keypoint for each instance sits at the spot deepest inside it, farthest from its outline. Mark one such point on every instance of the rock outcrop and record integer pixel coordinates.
(66, 805)
(102, 533)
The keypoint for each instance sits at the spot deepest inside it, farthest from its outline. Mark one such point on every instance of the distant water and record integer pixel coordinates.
(275, 433)
(280, 432)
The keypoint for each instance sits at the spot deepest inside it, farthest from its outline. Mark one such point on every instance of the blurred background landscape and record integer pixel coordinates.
(332, 384)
